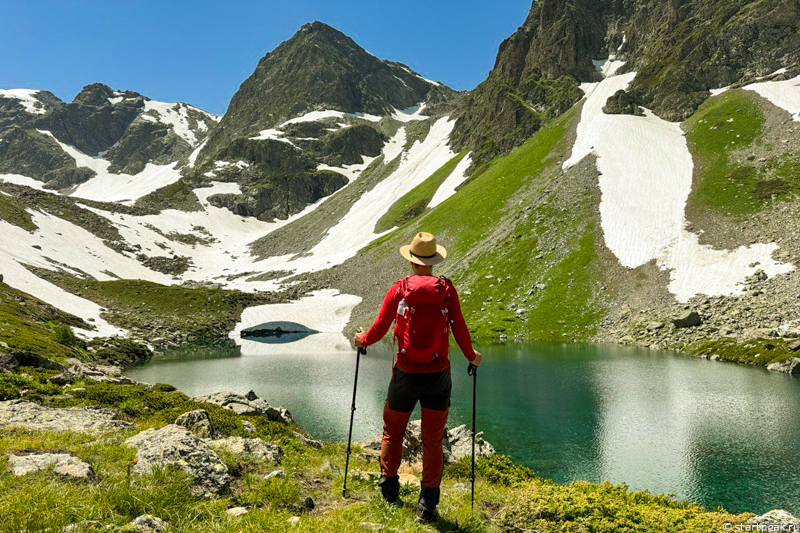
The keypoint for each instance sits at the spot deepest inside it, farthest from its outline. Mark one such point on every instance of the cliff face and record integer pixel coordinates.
(680, 50)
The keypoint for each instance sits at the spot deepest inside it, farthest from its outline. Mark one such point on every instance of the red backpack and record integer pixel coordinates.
(422, 325)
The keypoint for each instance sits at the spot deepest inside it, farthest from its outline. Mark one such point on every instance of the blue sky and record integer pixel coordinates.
(199, 52)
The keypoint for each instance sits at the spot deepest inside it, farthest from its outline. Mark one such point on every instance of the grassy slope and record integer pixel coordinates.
(509, 498)
(558, 227)
(12, 212)
(728, 184)
(414, 203)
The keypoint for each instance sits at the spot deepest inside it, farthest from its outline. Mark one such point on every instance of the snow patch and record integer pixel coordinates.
(124, 188)
(172, 114)
(325, 311)
(784, 94)
(448, 187)
(23, 180)
(410, 113)
(645, 178)
(273, 134)
(27, 98)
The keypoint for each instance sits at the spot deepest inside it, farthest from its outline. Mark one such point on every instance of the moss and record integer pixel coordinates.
(14, 213)
(178, 195)
(760, 352)
(415, 201)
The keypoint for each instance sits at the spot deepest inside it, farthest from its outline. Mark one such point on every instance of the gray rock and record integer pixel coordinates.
(309, 504)
(248, 426)
(687, 320)
(148, 523)
(305, 441)
(8, 364)
(776, 517)
(457, 443)
(236, 511)
(102, 373)
(34, 417)
(715, 357)
(62, 464)
(793, 346)
(174, 446)
(255, 447)
(330, 467)
(26, 358)
(654, 326)
(277, 474)
(199, 423)
(790, 366)
(250, 405)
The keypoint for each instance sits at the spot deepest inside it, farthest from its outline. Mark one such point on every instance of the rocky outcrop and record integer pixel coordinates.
(777, 518)
(620, 103)
(687, 320)
(80, 370)
(456, 445)
(148, 523)
(175, 447)
(249, 405)
(256, 448)
(63, 464)
(790, 366)
(199, 423)
(34, 417)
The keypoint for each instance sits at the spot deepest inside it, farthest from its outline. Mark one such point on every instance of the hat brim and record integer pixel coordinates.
(440, 256)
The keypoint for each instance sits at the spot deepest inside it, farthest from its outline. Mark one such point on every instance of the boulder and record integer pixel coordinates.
(148, 523)
(199, 423)
(64, 464)
(687, 320)
(456, 445)
(776, 517)
(305, 441)
(790, 366)
(175, 446)
(249, 405)
(34, 417)
(277, 474)
(26, 358)
(654, 326)
(236, 511)
(620, 103)
(255, 447)
(793, 346)
(102, 373)
(8, 364)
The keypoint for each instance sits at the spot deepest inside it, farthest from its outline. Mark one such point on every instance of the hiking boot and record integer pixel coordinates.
(390, 488)
(428, 500)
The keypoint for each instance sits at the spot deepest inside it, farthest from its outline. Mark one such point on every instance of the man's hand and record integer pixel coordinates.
(358, 336)
(478, 358)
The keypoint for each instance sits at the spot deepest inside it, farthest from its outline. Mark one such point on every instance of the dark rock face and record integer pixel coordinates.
(349, 144)
(30, 153)
(146, 142)
(687, 320)
(13, 113)
(682, 48)
(91, 123)
(534, 77)
(620, 103)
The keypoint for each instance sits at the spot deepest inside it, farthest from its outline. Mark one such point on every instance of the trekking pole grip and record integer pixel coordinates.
(472, 370)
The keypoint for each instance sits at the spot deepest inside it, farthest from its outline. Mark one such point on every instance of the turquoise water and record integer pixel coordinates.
(719, 434)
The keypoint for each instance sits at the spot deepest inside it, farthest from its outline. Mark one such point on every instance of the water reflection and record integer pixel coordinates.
(721, 434)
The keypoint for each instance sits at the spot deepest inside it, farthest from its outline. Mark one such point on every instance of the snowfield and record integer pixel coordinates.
(26, 97)
(645, 179)
(325, 311)
(448, 187)
(784, 94)
(176, 115)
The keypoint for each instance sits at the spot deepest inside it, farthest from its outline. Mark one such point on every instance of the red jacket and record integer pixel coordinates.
(387, 315)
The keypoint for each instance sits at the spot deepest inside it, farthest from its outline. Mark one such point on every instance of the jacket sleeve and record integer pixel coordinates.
(460, 331)
(385, 316)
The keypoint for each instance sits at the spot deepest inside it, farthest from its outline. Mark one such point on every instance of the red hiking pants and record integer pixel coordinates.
(432, 391)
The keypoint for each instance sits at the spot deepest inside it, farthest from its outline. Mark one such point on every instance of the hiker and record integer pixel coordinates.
(425, 309)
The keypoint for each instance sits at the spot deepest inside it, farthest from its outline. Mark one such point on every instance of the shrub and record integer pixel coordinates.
(64, 335)
(498, 469)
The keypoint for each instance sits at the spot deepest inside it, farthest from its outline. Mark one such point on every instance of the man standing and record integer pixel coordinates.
(425, 310)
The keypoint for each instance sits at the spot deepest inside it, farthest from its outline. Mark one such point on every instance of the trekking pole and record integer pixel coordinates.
(472, 370)
(361, 350)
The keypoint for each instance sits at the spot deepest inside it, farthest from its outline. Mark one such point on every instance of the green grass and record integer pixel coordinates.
(12, 212)
(178, 195)
(503, 265)
(415, 201)
(722, 125)
(29, 324)
(759, 352)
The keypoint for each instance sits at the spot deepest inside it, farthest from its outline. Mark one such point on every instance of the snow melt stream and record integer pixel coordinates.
(645, 178)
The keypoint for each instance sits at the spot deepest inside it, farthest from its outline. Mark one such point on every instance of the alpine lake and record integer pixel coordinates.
(720, 434)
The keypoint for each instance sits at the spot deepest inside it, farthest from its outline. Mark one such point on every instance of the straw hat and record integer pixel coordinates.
(423, 250)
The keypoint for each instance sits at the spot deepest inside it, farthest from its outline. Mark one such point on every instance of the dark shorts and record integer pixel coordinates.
(431, 390)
